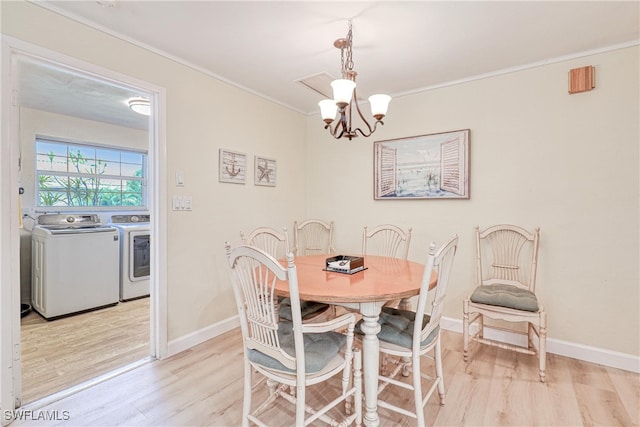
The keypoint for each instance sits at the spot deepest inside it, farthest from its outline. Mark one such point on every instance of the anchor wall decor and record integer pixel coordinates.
(233, 167)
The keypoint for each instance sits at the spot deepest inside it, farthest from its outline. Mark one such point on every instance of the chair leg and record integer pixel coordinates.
(246, 400)
(406, 363)
(439, 373)
(357, 379)
(530, 345)
(417, 389)
(465, 329)
(542, 354)
(300, 405)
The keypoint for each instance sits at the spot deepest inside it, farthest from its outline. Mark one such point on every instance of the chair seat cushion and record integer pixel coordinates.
(307, 308)
(319, 349)
(396, 327)
(508, 296)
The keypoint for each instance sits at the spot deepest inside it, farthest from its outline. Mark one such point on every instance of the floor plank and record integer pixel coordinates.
(65, 352)
(203, 387)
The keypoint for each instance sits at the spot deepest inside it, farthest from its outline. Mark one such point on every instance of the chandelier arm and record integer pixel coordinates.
(355, 101)
(340, 124)
(375, 125)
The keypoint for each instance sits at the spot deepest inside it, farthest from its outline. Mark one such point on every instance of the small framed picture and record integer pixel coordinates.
(233, 167)
(265, 172)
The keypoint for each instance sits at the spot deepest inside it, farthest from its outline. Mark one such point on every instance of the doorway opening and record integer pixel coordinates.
(59, 354)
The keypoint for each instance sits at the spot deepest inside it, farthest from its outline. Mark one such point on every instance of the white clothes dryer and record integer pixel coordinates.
(135, 255)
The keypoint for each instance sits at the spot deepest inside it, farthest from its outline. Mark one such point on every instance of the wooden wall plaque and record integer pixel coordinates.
(582, 79)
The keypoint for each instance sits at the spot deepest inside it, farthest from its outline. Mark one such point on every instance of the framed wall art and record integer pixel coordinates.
(434, 166)
(265, 172)
(233, 167)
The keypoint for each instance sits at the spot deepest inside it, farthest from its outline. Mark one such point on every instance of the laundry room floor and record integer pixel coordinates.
(62, 353)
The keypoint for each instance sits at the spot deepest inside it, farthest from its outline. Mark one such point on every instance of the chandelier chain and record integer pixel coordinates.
(347, 58)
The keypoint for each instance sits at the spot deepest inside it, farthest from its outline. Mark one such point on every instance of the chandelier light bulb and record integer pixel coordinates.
(379, 105)
(343, 91)
(328, 110)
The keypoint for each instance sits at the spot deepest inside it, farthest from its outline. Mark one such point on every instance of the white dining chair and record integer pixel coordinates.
(391, 241)
(386, 240)
(407, 337)
(292, 356)
(276, 244)
(312, 237)
(270, 240)
(506, 264)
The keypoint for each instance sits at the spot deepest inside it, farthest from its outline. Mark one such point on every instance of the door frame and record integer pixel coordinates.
(10, 353)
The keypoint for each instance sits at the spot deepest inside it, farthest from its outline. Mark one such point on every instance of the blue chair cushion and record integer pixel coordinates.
(319, 349)
(396, 327)
(508, 296)
(307, 308)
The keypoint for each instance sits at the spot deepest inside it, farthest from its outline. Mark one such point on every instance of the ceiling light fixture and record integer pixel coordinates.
(140, 106)
(345, 98)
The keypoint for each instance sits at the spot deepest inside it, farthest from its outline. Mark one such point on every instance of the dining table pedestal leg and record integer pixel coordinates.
(371, 359)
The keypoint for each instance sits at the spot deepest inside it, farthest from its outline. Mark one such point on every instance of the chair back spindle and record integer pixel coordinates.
(313, 237)
(386, 240)
(502, 252)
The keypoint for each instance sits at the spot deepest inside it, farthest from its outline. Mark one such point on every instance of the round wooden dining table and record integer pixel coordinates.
(366, 291)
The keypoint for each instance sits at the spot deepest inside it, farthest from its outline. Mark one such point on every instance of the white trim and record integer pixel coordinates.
(521, 68)
(10, 388)
(613, 359)
(48, 400)
(160, 52)
(10, 373)
(192, 339)
(207, 72)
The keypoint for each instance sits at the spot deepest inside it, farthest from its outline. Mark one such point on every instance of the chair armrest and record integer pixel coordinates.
(347, 319)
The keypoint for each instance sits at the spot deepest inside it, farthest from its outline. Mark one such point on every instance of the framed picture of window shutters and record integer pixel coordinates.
(434, 166)
(232, 167)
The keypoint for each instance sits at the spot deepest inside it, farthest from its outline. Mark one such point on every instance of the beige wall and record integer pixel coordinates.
(203, 115)
(538, 157)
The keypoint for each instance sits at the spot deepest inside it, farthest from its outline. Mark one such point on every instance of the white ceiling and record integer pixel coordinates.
(399, 47)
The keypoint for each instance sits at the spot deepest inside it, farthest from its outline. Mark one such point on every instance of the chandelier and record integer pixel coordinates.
(345, 98)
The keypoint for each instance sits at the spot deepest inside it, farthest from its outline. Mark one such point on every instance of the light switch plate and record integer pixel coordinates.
(179, 178)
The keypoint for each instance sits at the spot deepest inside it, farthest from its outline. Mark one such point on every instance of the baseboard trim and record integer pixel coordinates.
(627, 362)
(198, 337)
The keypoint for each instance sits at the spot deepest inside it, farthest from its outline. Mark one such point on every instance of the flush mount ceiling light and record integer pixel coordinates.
(140, 106)
(345, 98)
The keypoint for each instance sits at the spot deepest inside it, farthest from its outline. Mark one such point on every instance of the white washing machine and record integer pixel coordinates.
(74, 264)
(135, 255)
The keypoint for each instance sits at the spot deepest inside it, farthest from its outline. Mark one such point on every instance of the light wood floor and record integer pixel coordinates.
(203, 387)
(62, 353)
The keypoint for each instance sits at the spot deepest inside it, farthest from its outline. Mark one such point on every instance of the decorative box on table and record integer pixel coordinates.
(345, 264)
